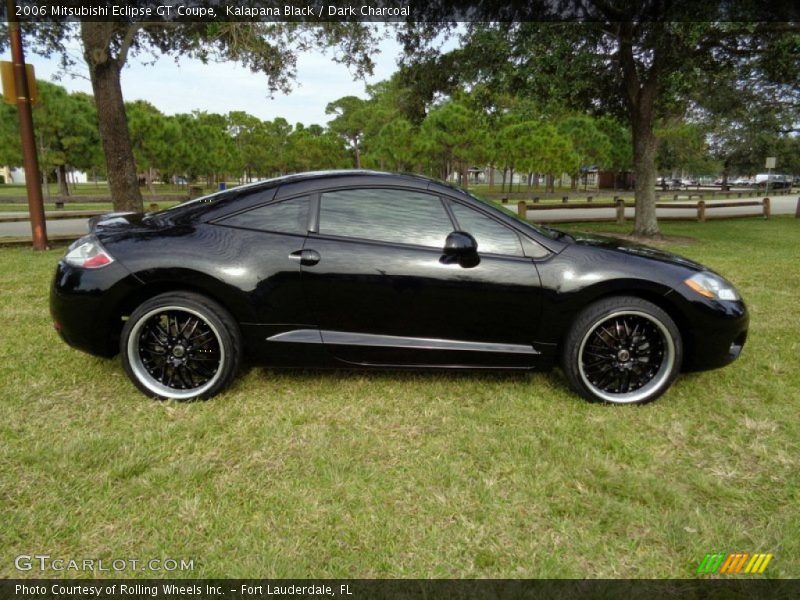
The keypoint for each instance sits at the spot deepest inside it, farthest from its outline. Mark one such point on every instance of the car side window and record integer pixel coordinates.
(385, 215)
(287, 216)
(492, 236)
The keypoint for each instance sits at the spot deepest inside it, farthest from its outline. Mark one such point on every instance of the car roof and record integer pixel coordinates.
(412, 179)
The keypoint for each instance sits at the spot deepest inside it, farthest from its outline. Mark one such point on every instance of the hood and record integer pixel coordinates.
(632, 248)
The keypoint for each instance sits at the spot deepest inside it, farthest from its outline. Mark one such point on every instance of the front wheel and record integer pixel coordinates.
(622, 350)
(180, 346)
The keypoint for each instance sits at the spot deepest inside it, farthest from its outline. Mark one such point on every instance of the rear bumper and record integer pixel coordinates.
(85, 304)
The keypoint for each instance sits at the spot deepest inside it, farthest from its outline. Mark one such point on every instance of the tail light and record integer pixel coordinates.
(88, 253)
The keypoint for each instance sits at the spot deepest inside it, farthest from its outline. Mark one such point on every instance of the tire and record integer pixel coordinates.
(622, 350)
(180, 346)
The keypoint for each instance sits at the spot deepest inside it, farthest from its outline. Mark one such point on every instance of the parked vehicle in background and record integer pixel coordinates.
(742, 181)
(776, 181)
(667, 183)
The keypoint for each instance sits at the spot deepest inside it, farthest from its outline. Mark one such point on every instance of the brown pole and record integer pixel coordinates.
(29, 158)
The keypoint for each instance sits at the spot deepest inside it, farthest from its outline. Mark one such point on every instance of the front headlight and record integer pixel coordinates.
(712, 286)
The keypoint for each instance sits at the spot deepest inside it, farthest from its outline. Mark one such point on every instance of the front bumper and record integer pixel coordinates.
(714, 332)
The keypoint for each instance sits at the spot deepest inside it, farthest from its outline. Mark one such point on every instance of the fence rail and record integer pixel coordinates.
(676, 196)
(702, 209)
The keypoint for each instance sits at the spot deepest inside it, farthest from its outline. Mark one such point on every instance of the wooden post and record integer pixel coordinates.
(797, 210)
(620, 209)
(701, 211)
(522, 209)
(30, 159)
(767, 210)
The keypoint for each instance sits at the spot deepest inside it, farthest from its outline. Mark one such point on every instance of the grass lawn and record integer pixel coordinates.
(409, 475)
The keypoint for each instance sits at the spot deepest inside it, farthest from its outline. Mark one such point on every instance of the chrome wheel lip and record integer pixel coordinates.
(651, 387)
(147, 380)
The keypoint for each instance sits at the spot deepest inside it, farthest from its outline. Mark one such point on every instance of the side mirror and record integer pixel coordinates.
(460, 243)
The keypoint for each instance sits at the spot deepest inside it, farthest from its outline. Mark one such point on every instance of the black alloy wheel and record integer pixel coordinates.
(622, 350)
(180, 346)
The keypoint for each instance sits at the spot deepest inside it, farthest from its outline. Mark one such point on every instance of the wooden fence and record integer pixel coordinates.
(703, 210)
(674, 196)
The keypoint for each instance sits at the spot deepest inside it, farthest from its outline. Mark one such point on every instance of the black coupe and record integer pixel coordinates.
(366, 269)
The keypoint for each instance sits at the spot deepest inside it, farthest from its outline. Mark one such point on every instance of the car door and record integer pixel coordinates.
(264, 261)
(384, 293)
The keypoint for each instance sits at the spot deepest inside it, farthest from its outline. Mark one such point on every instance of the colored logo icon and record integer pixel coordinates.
(734, 563)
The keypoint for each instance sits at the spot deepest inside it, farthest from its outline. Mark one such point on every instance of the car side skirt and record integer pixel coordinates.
(347, 338)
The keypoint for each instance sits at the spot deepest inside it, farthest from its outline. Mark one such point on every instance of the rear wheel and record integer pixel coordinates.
(622, 350)
(180, 346)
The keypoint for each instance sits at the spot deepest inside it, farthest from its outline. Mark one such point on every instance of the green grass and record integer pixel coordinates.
(408, 475)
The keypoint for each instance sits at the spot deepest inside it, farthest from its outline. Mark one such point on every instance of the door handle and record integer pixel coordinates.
(307, 258)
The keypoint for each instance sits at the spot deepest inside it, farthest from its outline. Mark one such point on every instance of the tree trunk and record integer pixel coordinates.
(644, 169)
(491, 176)
(464, 176)
(63, 186)
(112, 120)
(357, 152)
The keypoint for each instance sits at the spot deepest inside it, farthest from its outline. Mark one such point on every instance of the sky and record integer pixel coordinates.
(223, 87)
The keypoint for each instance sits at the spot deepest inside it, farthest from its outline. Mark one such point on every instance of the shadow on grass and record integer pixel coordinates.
(395, 375)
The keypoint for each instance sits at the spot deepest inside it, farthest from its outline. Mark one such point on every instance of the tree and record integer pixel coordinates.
(351, 120)
(682, 147)
(536, 147)
(746, 125)
(67, 137)
(251, 138)
(10, 149)
(154, 138)
(590, 144)
(206, 149)
(635, 60)
(267, 48)
(314, 148)
(455, 137)
(396, 145)
(620, 153)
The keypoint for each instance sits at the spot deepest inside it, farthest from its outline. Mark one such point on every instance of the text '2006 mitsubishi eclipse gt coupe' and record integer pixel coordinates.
(377, 270)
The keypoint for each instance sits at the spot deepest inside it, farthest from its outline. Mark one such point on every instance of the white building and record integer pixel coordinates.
(17, 175)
